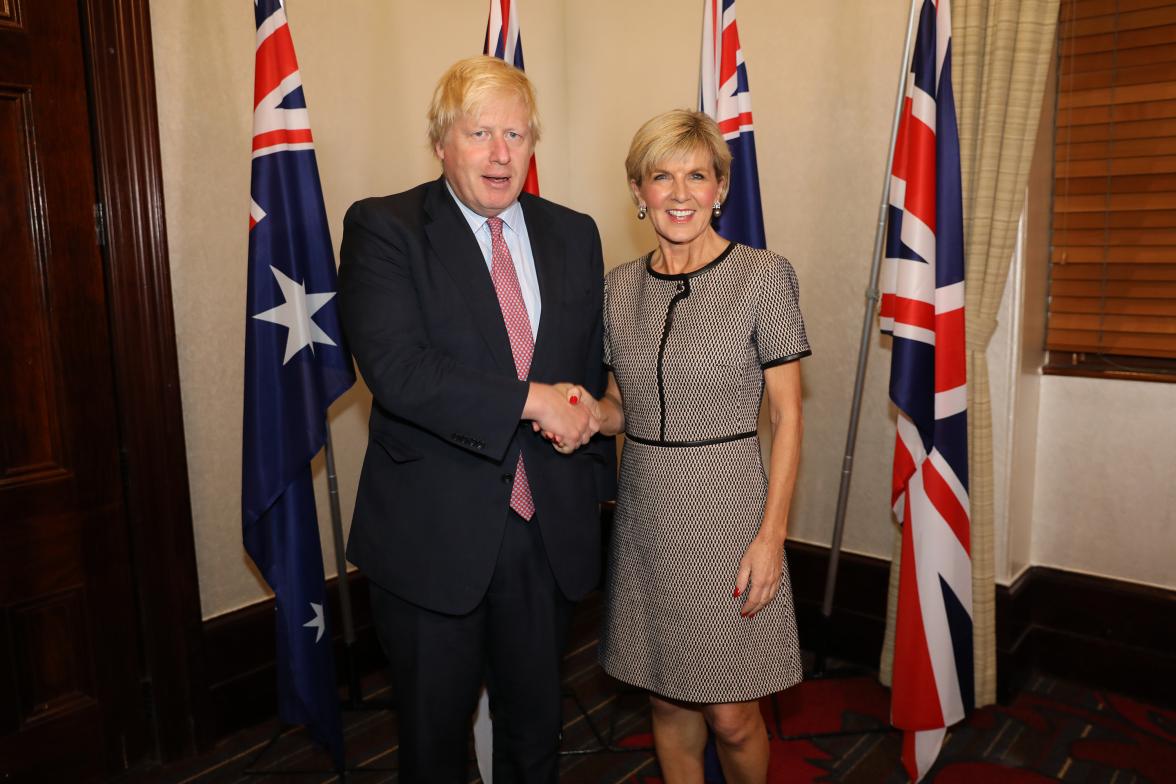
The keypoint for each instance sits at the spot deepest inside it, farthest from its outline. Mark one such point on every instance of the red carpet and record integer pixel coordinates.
(1052, 731)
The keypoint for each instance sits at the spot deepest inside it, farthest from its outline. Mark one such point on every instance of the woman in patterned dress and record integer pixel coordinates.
(699, 603)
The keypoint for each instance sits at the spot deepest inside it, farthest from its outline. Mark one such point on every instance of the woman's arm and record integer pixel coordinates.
(610, 410)
(761, 562)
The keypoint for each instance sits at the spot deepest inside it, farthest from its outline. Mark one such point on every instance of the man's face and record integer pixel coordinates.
(485, 158)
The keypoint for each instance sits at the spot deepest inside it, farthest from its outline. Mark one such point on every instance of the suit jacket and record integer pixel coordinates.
(422, 318)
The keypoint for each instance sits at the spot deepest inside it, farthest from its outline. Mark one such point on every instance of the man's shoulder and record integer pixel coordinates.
(557, 214)
(407, 205)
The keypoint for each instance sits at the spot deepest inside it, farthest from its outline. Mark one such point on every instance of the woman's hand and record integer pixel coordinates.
(578, 396)
(760, 568)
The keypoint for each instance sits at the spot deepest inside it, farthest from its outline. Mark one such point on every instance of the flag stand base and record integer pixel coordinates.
(251, 768)
(777, 722)
(605, 744)
(821, 669)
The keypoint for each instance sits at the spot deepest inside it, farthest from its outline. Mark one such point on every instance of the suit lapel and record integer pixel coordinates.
(548, 249)
(457, 250)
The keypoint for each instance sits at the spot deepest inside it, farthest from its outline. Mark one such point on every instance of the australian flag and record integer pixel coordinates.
(505, 41)
(922, 285)
(724, 94)
(295, 366)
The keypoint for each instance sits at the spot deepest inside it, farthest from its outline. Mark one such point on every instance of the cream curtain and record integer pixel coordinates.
(1000, 56)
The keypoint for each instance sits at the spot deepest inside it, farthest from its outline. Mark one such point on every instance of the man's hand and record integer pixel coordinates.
(549, 407)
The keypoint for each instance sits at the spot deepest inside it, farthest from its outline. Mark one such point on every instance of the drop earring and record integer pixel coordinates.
(641, 212)
(717, 208)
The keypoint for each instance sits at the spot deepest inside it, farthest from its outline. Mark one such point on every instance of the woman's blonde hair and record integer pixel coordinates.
(469, 85)
(676, 134)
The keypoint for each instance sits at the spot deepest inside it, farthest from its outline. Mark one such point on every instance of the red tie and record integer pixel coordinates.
(522, 344)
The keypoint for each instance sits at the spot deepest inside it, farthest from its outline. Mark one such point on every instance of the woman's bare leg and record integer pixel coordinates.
(679, 735)
(742, 741)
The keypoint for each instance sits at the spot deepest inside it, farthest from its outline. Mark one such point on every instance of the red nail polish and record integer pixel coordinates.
(736, 592)
(574, 400)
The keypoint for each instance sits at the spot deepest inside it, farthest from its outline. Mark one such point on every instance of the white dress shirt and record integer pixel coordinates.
(514, 231)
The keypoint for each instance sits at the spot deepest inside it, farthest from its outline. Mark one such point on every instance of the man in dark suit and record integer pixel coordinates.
(465, 303)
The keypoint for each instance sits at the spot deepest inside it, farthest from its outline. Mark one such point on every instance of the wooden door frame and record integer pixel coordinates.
(120, 67)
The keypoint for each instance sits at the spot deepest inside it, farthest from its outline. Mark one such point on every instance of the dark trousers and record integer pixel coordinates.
(514, 639)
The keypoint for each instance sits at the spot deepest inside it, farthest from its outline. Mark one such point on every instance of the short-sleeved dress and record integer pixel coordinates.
(688, 352)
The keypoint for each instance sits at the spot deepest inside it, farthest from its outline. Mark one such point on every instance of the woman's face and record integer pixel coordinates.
(680, 194)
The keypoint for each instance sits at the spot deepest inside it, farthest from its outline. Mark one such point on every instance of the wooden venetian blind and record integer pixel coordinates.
(1113, 262)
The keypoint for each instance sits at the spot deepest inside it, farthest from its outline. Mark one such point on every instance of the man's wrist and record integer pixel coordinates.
(536, 406)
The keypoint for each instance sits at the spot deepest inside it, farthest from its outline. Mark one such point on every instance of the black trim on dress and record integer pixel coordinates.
(787, 359)
(702, 442)
(683, 275)
(683, 293)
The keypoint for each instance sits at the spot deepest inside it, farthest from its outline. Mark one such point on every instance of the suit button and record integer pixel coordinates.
(507, 478)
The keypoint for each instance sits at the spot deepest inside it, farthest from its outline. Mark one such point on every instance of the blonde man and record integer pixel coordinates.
(464, 303)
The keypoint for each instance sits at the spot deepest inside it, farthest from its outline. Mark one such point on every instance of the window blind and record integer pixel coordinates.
(1113, 255)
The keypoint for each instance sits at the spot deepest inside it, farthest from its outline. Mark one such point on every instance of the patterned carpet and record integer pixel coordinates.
(1051, 731)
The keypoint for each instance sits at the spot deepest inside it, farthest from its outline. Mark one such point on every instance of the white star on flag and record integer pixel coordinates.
(295, 315)
(317, 622)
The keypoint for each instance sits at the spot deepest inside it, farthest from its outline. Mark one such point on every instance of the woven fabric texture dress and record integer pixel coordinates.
(688, 352)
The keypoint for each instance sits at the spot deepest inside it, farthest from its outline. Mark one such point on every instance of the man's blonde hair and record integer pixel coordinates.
(676, 134)
(469, 85)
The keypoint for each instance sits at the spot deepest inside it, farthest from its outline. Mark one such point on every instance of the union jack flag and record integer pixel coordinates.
(923, 308)
(505, 41)
(295, 365)
(724, 94)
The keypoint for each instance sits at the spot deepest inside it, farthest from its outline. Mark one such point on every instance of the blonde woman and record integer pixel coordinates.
(696, 332)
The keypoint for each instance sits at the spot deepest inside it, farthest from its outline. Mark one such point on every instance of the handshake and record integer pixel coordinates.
(565, 414)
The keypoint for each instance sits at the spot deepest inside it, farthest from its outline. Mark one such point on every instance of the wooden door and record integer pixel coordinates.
(69, 654)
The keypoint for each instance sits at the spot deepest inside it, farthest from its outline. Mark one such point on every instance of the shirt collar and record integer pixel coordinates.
(512, 216)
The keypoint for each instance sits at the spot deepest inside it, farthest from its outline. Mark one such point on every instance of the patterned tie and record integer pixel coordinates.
(522, 344)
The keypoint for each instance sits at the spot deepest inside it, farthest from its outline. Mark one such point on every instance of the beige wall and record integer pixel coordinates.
(823, 80)
(1105, 502)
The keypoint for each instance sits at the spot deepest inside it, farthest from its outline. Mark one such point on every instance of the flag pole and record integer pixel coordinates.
(855, 409)
(344, 581)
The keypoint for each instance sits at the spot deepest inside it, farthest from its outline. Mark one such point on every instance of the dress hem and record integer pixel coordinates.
(682, 696)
